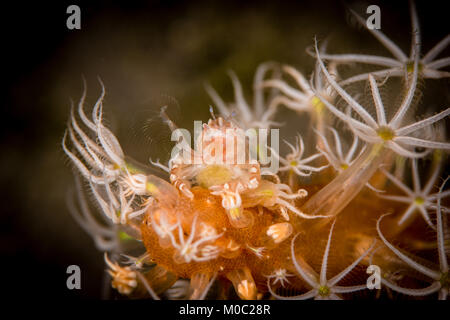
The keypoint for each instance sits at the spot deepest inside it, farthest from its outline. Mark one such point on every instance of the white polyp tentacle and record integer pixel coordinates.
(91, 158)
(83, 169)
(137, 213)
(189, 249)
(160, 165)
(284, 213)
(110, 145)
(84, 153)
(400, 64)
(418, 197)
(257, 251)
(291, 104)
(107, 209)
(123, 278)
(288, 196)
(107, 139)
(102, 164)
(137, 262)
(231, 201)
(285, 187)
(135, 184)
(294, 161)
(185, 190)
(86, 139)
(178, 182)
(301, 193)
(297, 211)
(104, 236)
(280, 275)
(337, 159)
(164, 229)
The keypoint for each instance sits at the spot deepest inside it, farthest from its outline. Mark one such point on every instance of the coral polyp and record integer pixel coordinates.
(314, 225)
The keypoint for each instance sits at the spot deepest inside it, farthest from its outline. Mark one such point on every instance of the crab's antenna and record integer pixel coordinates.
(167, 120)
(211, 111)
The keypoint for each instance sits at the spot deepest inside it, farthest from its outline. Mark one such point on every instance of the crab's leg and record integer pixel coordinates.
(180, 183)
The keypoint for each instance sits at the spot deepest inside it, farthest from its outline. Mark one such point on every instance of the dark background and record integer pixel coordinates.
(148, 53)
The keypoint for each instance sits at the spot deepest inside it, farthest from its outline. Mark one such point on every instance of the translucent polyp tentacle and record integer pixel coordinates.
(161, 190)
(200, 285)
(243, 283)
(338, 193)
